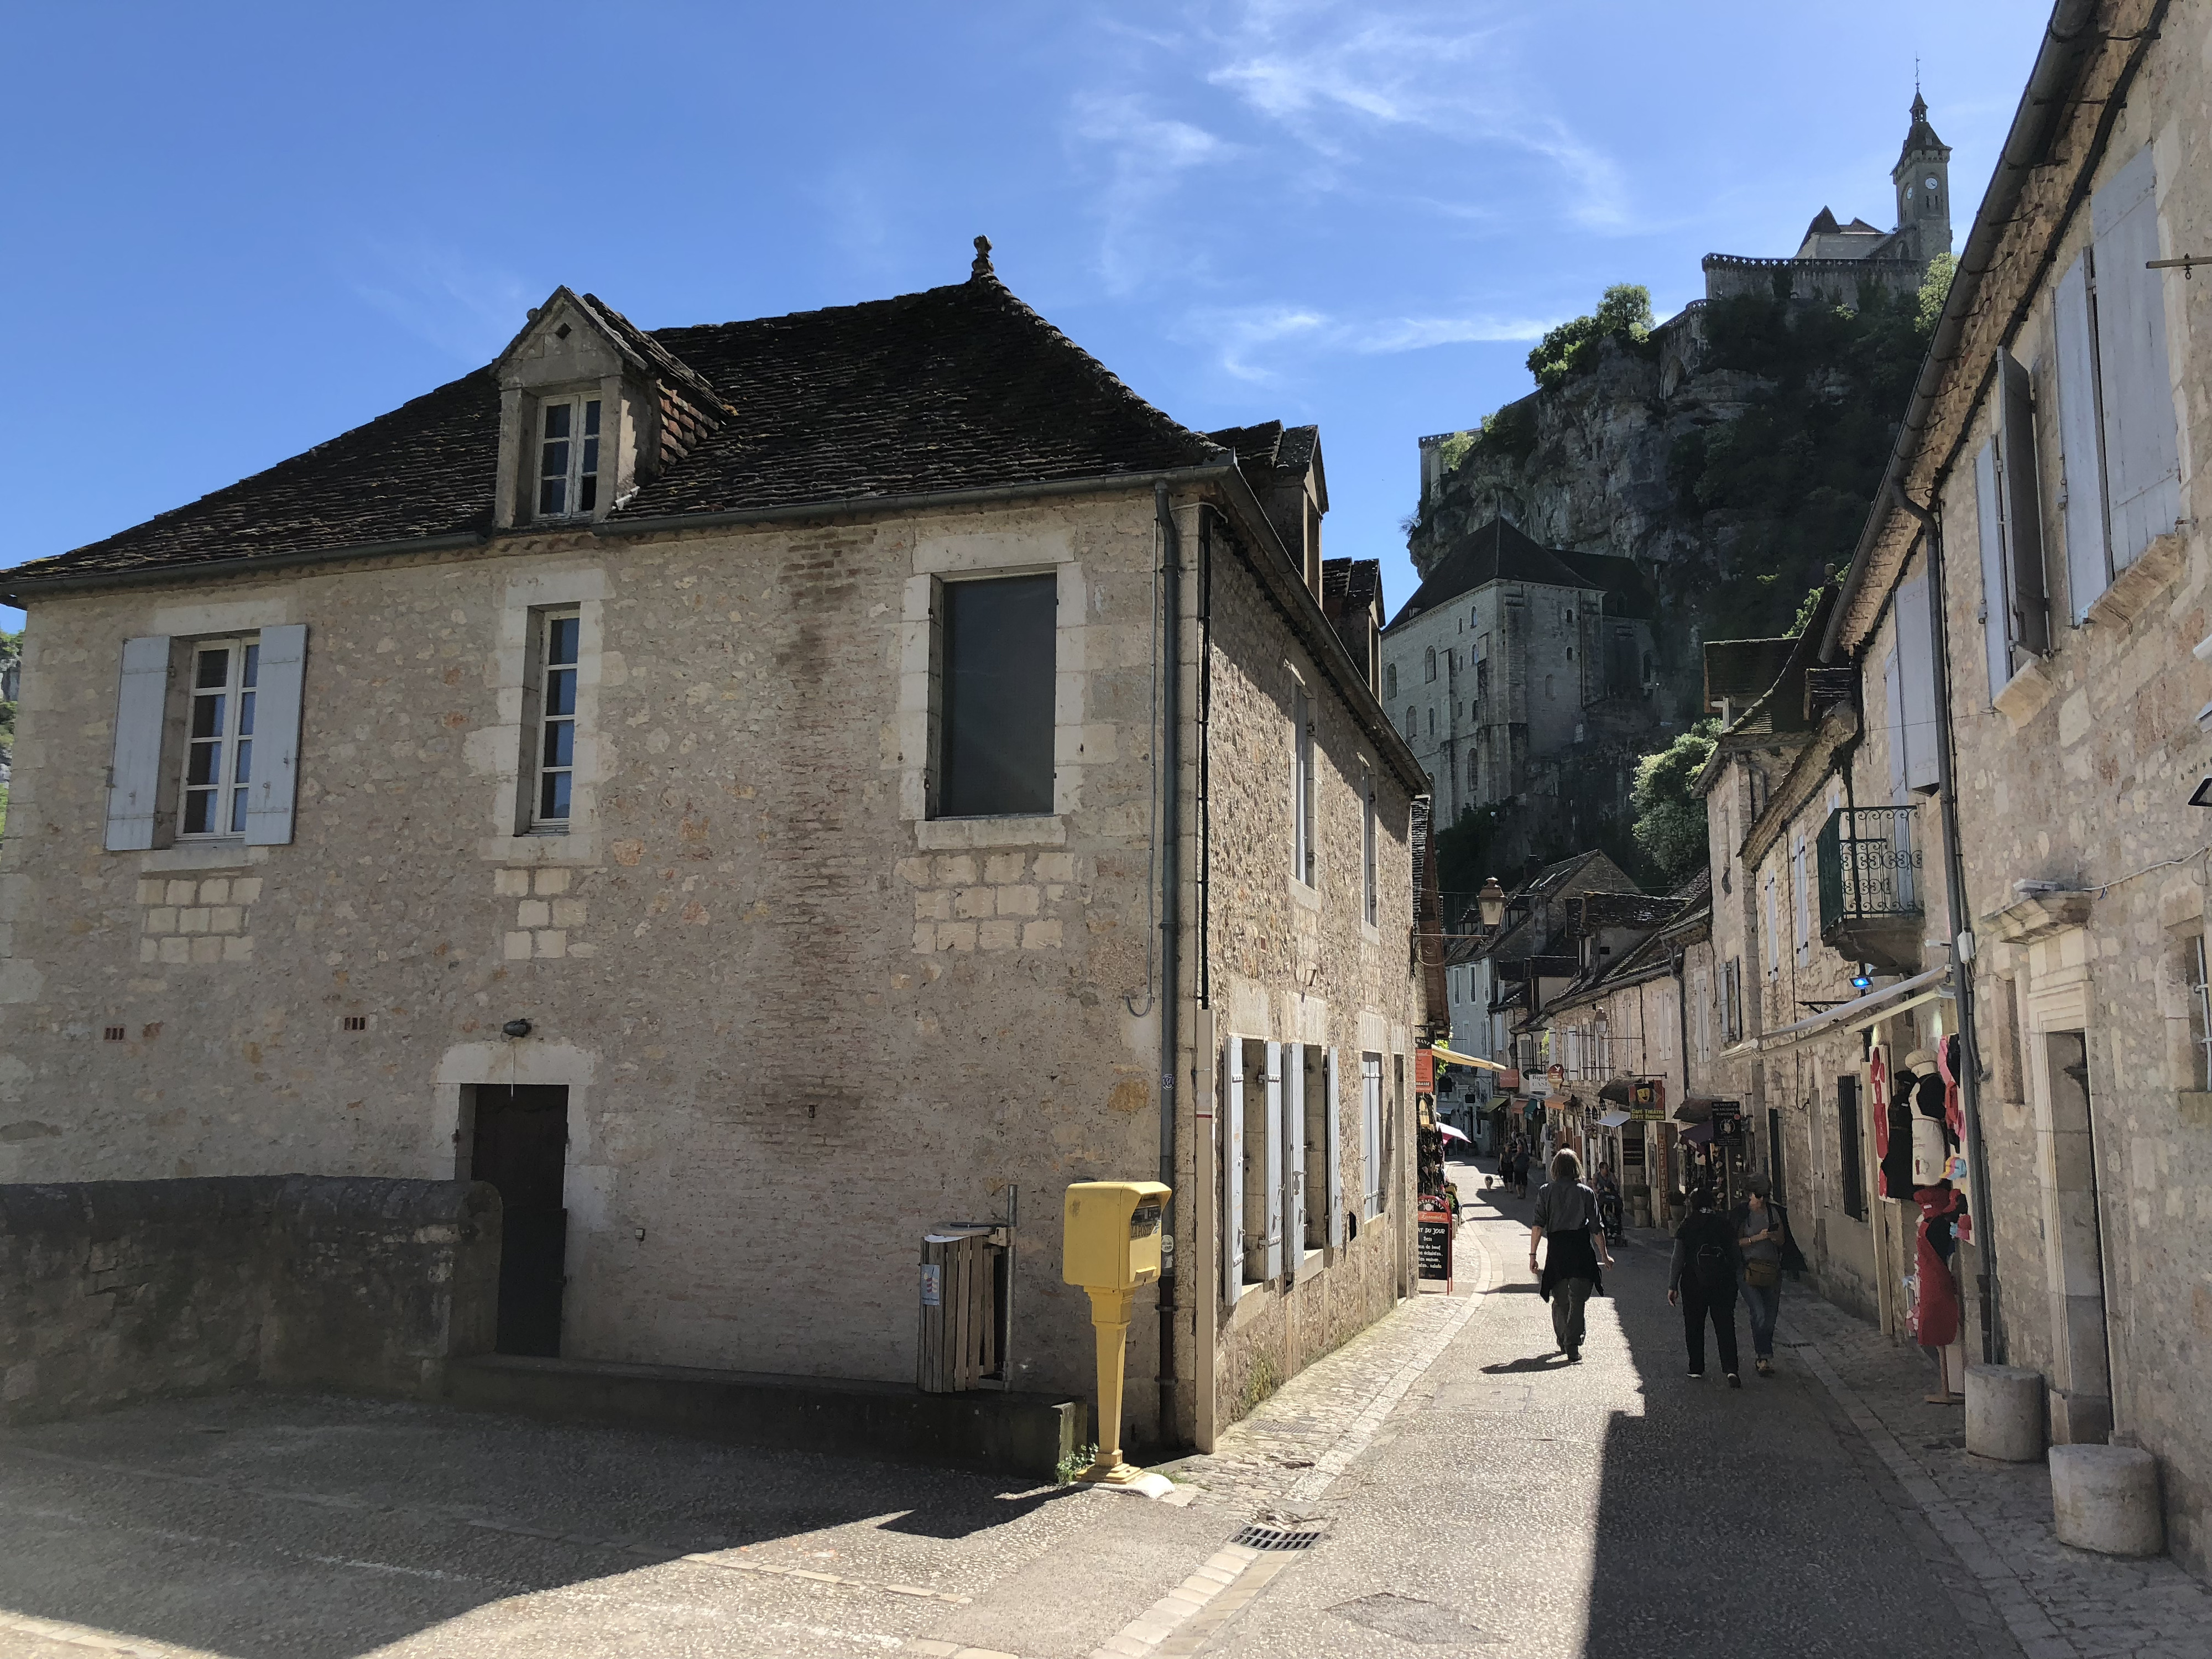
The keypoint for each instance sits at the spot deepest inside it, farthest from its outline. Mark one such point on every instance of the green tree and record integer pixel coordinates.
(1670, 813)
(1624, 315)
(1462, 860)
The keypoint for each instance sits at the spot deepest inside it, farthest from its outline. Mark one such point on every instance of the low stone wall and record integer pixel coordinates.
(111, 1291)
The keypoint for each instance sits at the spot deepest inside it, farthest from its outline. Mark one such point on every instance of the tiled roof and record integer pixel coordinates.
(1267, 452)
(1588, 912)
(1496, 553)
(955, 388)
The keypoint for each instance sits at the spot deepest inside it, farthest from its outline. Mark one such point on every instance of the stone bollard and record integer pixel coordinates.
(2004, 1412)
(2105, 1498)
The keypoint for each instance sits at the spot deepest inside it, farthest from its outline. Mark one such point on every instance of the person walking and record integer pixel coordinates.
(1758, 1242)
(1702, 1279)
(1566, 1213)
(1521, 1170)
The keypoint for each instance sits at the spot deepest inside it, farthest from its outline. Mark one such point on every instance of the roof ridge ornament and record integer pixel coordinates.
(983, 265)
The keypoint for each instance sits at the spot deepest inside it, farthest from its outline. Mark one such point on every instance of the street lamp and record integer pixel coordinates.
(1491, 899)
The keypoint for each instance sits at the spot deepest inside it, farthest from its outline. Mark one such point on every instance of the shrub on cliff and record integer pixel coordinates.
(1624, 315)
(1670, 813)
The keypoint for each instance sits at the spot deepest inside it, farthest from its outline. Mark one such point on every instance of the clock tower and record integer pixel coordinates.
(1922, 177)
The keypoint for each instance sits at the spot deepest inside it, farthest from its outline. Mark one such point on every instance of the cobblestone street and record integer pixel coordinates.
(1472, 1493)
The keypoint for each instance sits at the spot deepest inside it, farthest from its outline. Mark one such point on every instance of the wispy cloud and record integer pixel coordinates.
(1258, 344)
(468, 311)
(1146, 154)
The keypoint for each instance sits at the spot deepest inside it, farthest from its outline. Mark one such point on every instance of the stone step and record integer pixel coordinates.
(1009, 1433)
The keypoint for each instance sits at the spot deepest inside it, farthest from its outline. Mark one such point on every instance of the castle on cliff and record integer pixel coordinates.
(1835, 261)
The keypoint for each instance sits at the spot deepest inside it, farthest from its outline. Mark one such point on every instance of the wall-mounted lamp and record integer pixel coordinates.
(1491, 899)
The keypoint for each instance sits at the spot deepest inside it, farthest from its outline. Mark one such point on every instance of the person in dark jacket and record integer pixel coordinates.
(1521, 1170)
(1566, 1213)
(1702, 1282)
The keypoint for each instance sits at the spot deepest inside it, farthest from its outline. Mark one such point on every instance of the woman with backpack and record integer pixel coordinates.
(1759, 1235)
(1702, 1281)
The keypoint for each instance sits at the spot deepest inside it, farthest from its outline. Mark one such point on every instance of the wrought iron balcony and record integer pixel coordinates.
(1869, 862)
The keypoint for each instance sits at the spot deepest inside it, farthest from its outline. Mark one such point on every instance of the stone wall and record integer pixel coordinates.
(800, 1022)
(1298, 963)
(115, 1289)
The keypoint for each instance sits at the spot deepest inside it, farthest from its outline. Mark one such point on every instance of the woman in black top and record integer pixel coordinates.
(1702, 1281)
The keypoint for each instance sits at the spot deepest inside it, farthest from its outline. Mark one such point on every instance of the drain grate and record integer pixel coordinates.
(1276, 1538)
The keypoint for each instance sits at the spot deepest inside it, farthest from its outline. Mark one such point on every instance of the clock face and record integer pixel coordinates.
(1931, 184)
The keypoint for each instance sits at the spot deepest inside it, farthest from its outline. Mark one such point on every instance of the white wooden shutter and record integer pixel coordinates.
(269, 796)
(1273, 1198)
(1996, 609)
(134, 777)
(2023, 505)
(1294, 1151)
(1232, 1176)
(2080, 442)
(1371, 1136)
(1336, 1153)
(1916, 676)
(2142, 460)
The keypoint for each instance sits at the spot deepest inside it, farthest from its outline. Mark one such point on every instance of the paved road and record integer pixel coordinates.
(1474, 1494)
(1518, 1504)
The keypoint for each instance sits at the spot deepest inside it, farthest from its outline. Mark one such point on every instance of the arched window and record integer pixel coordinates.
(1390, 681)
(1474, 774)
(1432, 722)
(1431, 662)
(1412, 722)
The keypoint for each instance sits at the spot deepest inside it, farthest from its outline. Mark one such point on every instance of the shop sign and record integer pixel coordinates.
(1433, 1239)
(1631, 1153)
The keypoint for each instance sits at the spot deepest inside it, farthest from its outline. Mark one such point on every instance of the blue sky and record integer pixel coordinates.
(236, 230)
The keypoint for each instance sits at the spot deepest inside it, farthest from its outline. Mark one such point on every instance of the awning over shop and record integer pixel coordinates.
(1860, 1010)
(1697, 1108)
(1620, 1089)
(1452, 1056)
(1613, 1120)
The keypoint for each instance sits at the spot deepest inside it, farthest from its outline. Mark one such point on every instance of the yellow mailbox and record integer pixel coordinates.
(1110, 1244)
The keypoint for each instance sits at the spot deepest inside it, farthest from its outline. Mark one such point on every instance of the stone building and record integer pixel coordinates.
(1511, 654)
(731, 788)
(1835, 261)
(1967, 808)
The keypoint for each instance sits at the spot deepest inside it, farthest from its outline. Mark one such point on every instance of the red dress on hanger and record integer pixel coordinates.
(1935, 1311)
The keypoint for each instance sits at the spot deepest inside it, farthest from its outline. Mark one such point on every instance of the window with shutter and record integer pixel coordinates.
(1370, 1135)
(2080, 442)
(1294, 1153)
(1233, 1222)
(1272, 1150)
(2023, 506)
(1997, 611)
(1892, 680)
(1916, 734)
(1334, 1232)
(2142, 445)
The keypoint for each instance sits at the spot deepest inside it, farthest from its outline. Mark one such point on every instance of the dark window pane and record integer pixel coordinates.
(561, 639)
(245, 712)
(250, 669)
(238, 811)
(199, 811)
(556, 420)
(556, 462)
(560, 691)
(553, 800)
(214, 669)
(207, 717)
(592, 418)
(202, 764)
(552, 496)
(587, 493)
(561, 742)
(996, 753)
(591, 457)
(243, 771)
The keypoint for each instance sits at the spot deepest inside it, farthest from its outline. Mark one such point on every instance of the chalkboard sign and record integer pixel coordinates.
(1631, 1152)
(1433, 1241)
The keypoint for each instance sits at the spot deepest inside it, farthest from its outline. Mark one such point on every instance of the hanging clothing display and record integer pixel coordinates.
(1934, 1310)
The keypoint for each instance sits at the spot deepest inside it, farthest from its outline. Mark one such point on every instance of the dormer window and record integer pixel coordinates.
(568, 457)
